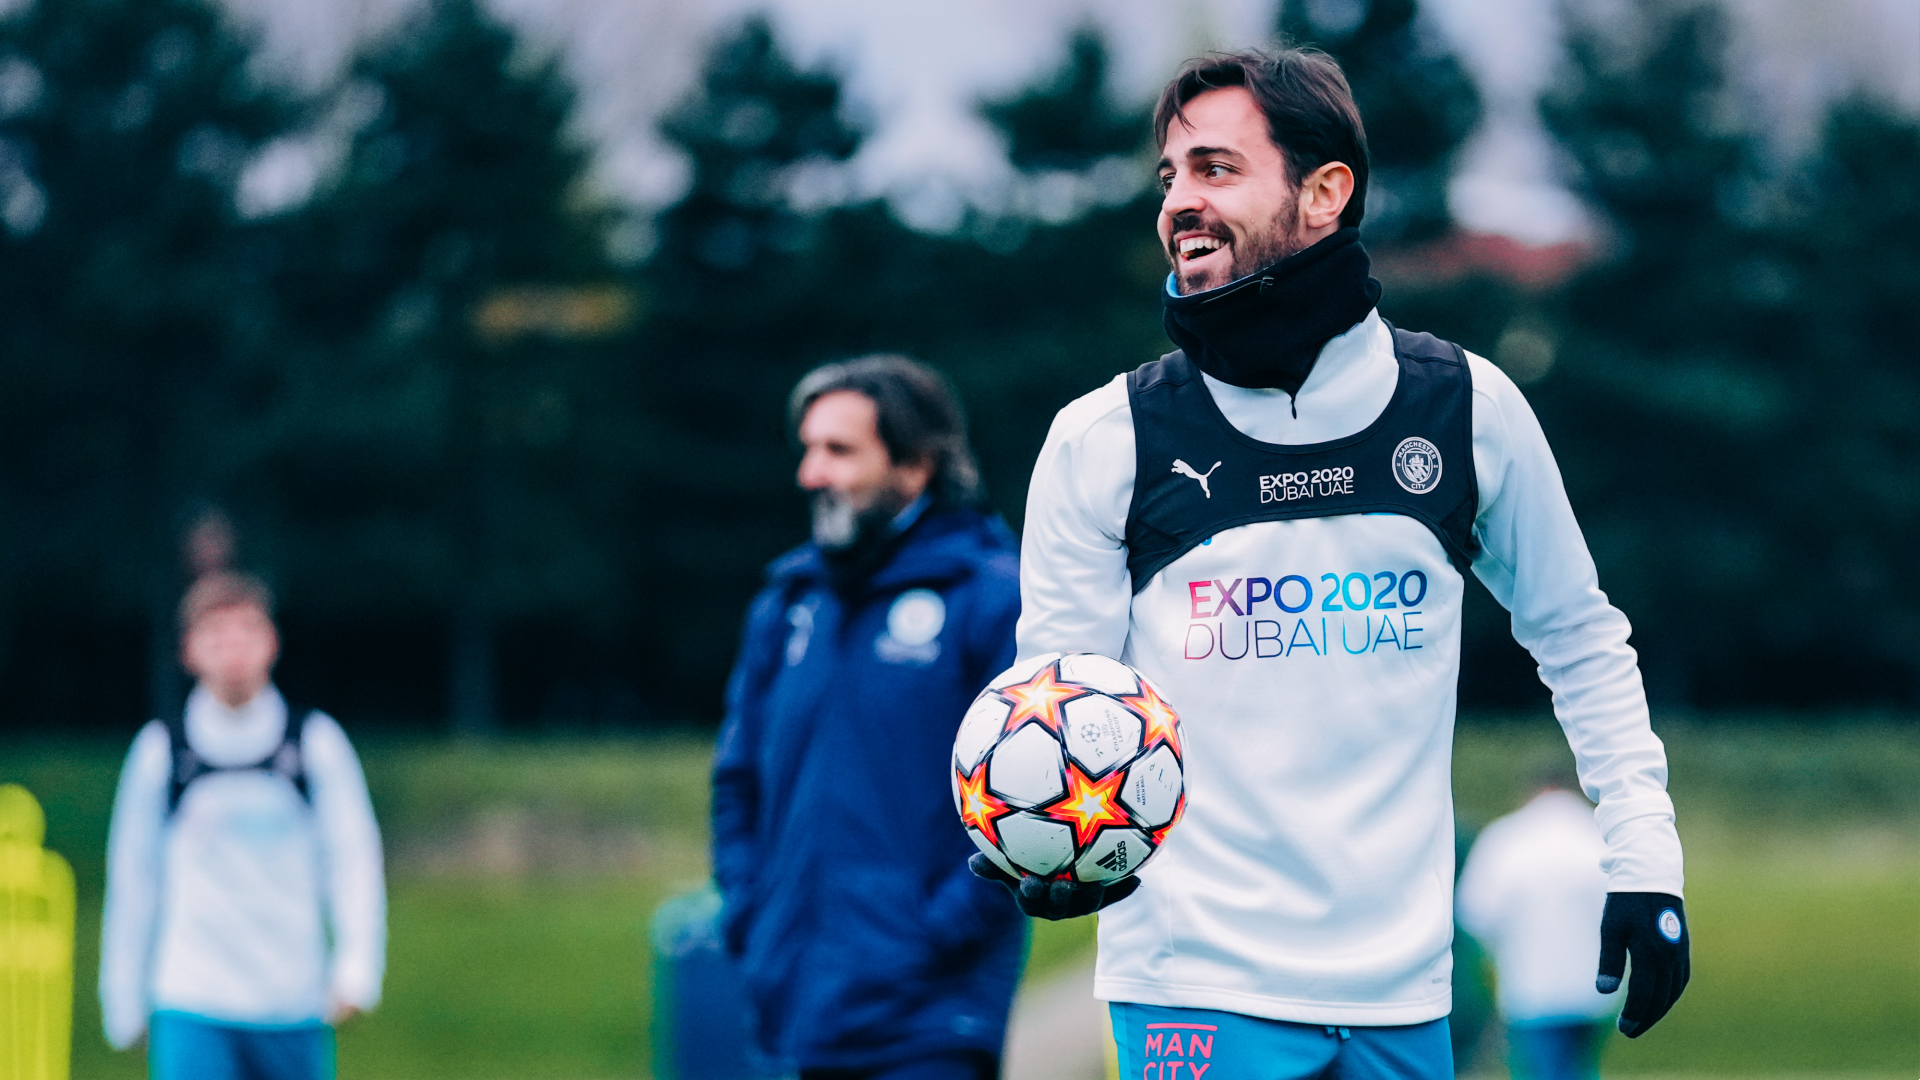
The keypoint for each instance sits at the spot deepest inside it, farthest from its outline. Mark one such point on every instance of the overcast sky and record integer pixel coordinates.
(915, 68)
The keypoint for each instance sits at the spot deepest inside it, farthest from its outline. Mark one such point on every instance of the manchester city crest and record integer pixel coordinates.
(914, 623)
(1670, 926)
(1416, 465)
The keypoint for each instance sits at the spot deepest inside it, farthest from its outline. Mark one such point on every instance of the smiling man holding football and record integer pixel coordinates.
(1275, 523)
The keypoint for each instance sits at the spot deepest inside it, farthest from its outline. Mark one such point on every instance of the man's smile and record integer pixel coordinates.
(1194, 248)
(1206, 250)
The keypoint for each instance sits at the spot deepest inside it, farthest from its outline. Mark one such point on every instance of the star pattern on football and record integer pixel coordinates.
(1159, 835)
(1039, 698)
(1163, 724)
(979, 808)
(1089, 805)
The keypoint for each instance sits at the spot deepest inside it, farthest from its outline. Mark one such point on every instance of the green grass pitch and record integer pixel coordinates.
(524, 874)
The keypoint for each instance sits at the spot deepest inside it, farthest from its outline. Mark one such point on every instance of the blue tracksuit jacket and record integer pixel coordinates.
(862, 936)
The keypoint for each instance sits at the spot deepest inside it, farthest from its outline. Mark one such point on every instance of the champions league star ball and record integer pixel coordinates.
(1069, 767)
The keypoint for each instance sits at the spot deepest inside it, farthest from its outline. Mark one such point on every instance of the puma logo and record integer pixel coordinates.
(1185, 469)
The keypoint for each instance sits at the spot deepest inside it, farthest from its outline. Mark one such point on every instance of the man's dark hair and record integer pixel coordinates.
(1309, 107)
(918, 414)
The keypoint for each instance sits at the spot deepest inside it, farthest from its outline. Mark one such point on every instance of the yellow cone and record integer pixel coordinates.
(36, 945)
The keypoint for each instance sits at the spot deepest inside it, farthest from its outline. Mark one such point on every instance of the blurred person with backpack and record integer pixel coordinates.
(867, 948)
(1532, 892)
(243, 845)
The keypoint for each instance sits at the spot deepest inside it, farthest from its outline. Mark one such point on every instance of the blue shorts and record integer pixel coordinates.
(1556, 1051)
(185, 1047)
(1159, 1043)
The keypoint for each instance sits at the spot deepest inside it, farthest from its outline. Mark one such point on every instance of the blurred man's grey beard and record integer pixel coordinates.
(835, 522)
(837, 526)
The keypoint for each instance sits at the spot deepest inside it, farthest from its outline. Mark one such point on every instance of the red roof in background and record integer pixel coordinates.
(1464, 254)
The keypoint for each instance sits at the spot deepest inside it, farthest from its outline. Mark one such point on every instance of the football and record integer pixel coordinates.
(1069, 767)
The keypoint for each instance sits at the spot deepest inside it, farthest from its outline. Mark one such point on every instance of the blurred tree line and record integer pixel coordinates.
(513, 460)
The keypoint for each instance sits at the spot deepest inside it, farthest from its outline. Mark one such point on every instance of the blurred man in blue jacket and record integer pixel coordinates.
(868, 948)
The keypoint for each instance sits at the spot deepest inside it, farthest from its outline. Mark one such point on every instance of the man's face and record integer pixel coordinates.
(231, 650)
(846, 467)
(1229, 209)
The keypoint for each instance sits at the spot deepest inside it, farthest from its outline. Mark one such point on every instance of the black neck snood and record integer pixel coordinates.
(1266, 329)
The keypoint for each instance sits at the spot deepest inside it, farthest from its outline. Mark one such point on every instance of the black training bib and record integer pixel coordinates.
(1197, 475)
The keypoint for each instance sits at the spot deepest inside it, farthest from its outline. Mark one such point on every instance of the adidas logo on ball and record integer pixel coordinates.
(1069, 767)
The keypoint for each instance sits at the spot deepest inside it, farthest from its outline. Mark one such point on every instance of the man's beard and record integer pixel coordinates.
(838, 524)
(1251, 252)
(854, 541)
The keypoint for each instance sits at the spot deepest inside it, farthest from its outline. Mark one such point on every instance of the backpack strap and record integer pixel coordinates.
(286, 759)
(187, 765)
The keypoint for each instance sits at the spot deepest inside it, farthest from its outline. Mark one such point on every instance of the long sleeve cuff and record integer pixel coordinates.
(1643, 855)
(124, 1022)
(355, 984)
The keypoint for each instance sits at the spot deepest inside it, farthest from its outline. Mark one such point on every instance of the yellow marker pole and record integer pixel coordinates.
(36, 945)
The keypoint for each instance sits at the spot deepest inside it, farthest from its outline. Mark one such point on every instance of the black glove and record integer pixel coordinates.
(1653, 927)
(1062, 899)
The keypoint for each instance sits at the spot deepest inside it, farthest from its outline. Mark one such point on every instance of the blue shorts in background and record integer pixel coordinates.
(1564, 1050)
(185, 1047)
(1159, 1043)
